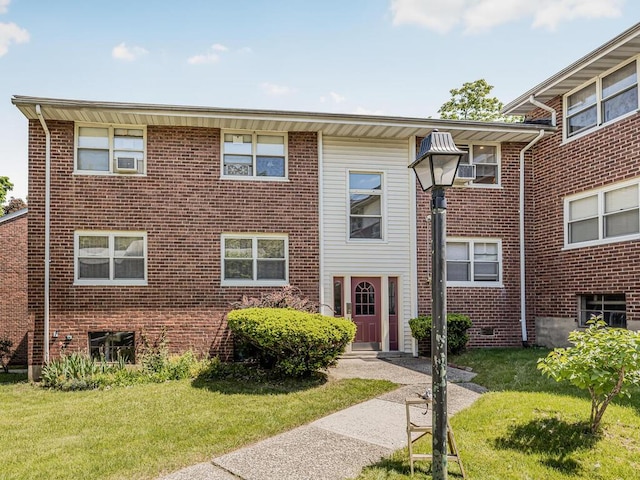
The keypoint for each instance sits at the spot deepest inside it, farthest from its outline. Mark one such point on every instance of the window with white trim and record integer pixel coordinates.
(255, 259)
(474, 262)
(601, 216)
(365, 205)
(110, 258)
(612, 308)
(254, 155)
(602, 99)
(483, 162)
(106, 149)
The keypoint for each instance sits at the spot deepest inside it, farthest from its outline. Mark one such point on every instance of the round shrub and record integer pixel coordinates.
(457, 326)
(291, 342)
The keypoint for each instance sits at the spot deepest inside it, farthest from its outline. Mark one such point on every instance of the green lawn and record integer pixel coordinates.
(529, 428)
(147, 430)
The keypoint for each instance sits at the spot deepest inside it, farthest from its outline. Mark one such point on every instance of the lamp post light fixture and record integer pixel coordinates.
(435, 166)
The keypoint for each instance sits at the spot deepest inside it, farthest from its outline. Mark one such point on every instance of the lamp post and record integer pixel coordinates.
(435, 166)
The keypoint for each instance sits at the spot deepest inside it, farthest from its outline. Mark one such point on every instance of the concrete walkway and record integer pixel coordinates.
(338, 446)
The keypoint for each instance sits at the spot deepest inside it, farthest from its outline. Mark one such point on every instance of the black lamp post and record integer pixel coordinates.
(435, 166)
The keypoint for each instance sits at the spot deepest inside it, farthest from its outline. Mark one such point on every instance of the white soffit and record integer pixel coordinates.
(365, 126)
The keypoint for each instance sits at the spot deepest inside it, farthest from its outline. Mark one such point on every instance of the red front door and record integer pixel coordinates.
(365, 297)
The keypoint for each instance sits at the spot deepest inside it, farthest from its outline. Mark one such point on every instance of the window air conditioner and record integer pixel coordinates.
(465, 174)
(127, 164)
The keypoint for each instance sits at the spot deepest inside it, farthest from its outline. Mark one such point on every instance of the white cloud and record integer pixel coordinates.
(11, 33)
(129, 54)
(276, 90)
(212, 56)
(366, 111)
(203, 59)
(4, 5)
(246, 50)
(333, 96)
(482, 15)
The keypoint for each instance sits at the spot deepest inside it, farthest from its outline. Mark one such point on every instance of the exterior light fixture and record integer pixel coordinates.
(436, 166)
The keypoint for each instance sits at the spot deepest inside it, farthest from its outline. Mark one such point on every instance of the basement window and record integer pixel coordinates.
(112, 346)
(612, 307)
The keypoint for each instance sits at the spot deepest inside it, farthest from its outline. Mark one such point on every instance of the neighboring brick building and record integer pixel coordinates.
(162, 216)
(584, 182)
(14, 318)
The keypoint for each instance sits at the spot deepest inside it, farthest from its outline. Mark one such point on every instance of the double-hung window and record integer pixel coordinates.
(365, 205)
(474, 262)
(481, 163)
(255, 259)
(254, 155)
(602, 99)
(110, 258)
(102, 149)
(602, 216)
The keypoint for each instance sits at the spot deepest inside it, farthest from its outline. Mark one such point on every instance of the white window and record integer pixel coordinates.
(254, 155)
(365, 205)
(612, 308)
(474, 262)
(603, 216)
(255, 259)
(602, 99)
(110, 258)
(103, 149)
(482, 161)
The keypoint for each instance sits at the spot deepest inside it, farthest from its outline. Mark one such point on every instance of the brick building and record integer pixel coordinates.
(159, 216)
(14, 318)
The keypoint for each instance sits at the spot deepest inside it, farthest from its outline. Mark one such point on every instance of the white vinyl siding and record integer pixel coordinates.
(390, 256)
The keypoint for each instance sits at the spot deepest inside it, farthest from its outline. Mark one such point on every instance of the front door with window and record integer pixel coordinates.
(365, 297)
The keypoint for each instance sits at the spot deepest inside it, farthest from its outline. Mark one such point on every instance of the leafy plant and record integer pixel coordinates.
(290, 342)
(286, 297)
(153, 354)
(604, 361)
(457, 326)
(5, 353)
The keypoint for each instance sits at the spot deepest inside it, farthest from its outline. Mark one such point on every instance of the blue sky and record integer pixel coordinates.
(390, 57)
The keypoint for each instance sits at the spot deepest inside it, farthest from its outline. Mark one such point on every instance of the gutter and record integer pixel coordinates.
(47, 230)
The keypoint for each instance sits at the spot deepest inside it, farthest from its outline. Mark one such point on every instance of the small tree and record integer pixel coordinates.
(604, 361)
(472, 102)
(14, 205)
(5, 186)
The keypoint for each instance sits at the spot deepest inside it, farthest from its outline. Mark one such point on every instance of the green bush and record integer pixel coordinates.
(604, 361)
(457, 326)
(291, 342)
(80, 372)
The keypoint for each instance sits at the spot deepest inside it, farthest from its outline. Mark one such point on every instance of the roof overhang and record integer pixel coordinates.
(13, 215)
(332, 124)
(612, 53)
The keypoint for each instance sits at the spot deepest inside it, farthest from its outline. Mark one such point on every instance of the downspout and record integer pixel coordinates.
(322, 295)
(47, 232)
(523, 277)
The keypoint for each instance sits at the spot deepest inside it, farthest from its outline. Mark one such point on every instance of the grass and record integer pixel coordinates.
(147, 430)
(528, 428)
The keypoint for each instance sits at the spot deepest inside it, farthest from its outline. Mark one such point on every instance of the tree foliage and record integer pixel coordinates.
(472, 102)
(5, 187)
(604, 361)
(14, 205)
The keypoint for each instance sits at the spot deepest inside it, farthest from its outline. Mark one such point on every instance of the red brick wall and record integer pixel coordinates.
(14, 319)
(480, 212)
(184, 207)
(600, 158)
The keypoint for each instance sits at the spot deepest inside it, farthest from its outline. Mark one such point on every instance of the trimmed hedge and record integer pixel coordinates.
(291, 342)
(457, 326)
